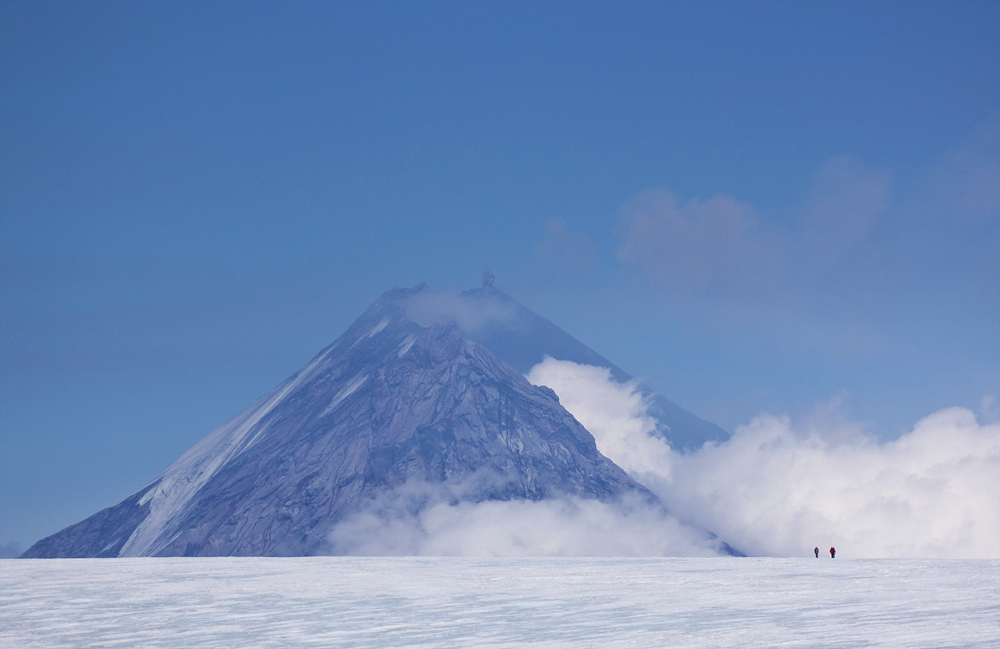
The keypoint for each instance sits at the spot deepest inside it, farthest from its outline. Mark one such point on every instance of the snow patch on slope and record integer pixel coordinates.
(347, 391)
(406, 344)
(383, 323)
(379, 327)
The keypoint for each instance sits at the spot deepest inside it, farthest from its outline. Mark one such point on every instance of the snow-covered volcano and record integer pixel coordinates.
(400, 398)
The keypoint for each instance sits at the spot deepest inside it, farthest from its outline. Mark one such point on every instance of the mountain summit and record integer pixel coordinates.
(403, 397)
(522, 338)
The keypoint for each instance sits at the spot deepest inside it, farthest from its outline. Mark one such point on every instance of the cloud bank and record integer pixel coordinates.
(418, 519)
(775, 490)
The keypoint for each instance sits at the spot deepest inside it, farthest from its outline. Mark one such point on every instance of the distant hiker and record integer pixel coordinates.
(816, 552)
(833, 553)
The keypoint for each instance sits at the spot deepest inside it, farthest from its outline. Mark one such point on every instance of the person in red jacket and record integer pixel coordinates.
(833, 553)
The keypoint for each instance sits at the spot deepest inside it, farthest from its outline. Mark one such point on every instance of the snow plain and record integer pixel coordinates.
(467, 602)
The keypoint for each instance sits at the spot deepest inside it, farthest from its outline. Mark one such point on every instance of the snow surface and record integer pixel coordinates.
(449, 602)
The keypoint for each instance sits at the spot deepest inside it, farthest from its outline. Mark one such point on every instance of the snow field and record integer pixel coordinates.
(463, 602)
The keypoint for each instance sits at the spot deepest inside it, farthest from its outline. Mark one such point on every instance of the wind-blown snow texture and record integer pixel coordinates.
(391, 404)
(543, 603)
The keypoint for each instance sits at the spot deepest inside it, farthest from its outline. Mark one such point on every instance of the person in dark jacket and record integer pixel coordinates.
(833, 553)
(816, 552)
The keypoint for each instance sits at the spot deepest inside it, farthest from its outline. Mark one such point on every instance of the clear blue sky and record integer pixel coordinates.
(773, 206)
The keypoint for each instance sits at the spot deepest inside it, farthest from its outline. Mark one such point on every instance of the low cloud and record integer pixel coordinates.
(774, 490)
(614, 413)
(418, 519)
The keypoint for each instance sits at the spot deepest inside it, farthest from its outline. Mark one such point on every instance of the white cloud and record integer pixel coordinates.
(614, 413)
(772, 490)
(423, 520)
(934, 492)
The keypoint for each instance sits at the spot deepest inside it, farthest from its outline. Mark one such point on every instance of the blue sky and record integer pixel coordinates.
(773, 206)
